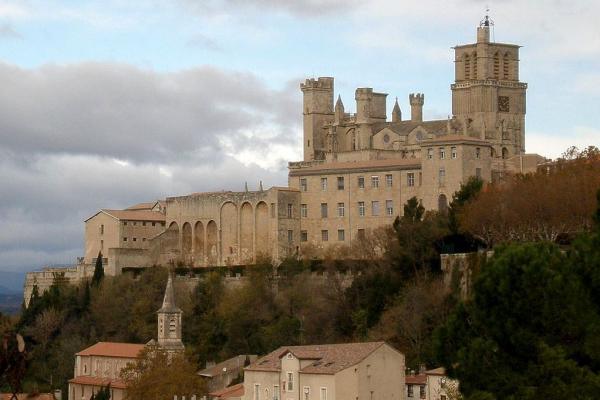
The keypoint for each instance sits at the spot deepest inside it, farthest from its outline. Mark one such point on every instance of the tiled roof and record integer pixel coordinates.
(142, 206)
(406, 127)
(329, 358)
(232, 363)
(28, 396)
(419, 379)
(99, 381)
(456, 138)
(231, 391)
(373, 165)
(136, 215)
(437, 371)
(113, 349)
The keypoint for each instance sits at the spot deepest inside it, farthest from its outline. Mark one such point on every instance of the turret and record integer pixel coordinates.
(317, 111)
(339, 111)
(396, 113)
(169, 321)
(416, 106)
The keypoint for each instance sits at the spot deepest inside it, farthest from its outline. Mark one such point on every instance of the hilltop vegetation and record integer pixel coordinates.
(534, 309)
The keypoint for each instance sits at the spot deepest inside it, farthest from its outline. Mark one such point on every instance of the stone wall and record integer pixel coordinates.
(44, 278)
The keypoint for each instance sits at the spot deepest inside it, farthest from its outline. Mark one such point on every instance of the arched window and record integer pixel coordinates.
(467, 66)
(504, 153)
(496, 66)
(172, 327)
(442, 203)
(505, 66)
(474, 62)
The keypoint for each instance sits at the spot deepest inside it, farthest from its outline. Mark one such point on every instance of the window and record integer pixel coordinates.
(303, 210)
(144, 223)
(324, 184)
(340, 183)
(303, 236)
(477, 153)
(410, 390)
(102, 245)
(324, 235)
(478, 172)
(429, 154)
(420, 178)
(154, 224)
(272, 210)
(410, 179)
(341, 235)
(162, 224)
(443, 397)
(124, 223)
(361, 208)
(361, 234)
(290, 236)
(374, 181)
(323, 393)
(102, 229)
(323, 210)
(389, 180)
(290, 210)
(361, 182)
(135, 239)
(275, 392)
(389, 207)
(135, 223)
(290, 381)
(256, 391)
(453, 152)
(303, 185)
(375, 208)
(442, 153)
(143, 239)
(422, 391)
(442, 176)
(340, 209)
(124, 239)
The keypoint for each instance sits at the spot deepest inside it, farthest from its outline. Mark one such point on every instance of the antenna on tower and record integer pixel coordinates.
(488, 22)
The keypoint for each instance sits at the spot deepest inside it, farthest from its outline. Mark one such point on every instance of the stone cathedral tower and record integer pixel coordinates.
(487, 96)
(169, 321)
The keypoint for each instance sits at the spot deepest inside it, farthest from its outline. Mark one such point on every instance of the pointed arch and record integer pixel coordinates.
(212, 250)
(467, 61)
(199, 243)
(496, 65)
(474, 63)
(504, 153)
(246, 233)
(229, 233)
(262, 228)
(506, 66)
(186, 239)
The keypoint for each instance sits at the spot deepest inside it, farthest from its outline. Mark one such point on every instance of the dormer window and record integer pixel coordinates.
(290, 356)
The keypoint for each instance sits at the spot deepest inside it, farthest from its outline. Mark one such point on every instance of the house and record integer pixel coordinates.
(221, 375)
(372, 370)
(233, 392)
(430, 385)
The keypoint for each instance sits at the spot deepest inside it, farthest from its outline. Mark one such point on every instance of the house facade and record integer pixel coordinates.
(327, 372)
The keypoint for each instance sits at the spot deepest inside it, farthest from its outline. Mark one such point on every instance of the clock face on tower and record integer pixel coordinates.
(503, 103)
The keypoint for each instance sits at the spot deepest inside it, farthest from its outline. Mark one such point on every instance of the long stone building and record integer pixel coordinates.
(358, 171)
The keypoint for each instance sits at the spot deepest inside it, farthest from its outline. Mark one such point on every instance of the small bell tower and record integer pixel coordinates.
(169, 321)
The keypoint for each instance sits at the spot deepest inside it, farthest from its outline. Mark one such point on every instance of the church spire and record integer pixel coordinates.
(169, 321)
(339, 110)
(396, 112)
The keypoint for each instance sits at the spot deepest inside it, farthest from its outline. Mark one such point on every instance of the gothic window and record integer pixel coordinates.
(504, 153)
(467, 67)
(505, 66)
(474, 62)
(172, 327)
(503, 104)
(496, 66)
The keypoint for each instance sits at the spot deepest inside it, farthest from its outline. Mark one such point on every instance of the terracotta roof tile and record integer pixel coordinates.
(136, 215)
(232, 363)
(113, 349)
(99, 381)
(419, 379)
(231, 391)
(329, 358)
(372, 165)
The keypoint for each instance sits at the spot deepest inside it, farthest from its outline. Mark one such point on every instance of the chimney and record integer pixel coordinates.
(416, 106)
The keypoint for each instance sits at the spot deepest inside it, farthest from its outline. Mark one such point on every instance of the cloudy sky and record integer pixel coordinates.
(107, 103)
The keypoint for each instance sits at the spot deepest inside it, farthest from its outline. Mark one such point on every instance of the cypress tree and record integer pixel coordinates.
(98, 271)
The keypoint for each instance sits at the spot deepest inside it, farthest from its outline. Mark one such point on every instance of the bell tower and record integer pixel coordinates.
(317, 112)
(169, 321)
(487, 96)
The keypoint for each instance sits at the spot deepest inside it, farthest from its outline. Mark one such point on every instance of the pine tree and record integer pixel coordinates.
(98, 271)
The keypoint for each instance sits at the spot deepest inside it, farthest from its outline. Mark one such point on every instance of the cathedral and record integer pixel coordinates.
(357, 172)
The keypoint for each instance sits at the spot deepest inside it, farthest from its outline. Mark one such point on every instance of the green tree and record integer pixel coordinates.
(98, 271)
(158, 375)
(530, 330)
(103, 393)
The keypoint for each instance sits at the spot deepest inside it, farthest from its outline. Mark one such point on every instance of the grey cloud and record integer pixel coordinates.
(8, 32)
(121, 111)
(301, 8)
